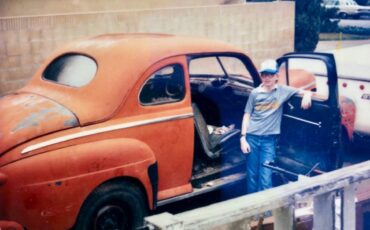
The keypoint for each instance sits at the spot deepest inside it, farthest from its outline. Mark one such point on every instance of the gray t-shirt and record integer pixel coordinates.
(266, 110)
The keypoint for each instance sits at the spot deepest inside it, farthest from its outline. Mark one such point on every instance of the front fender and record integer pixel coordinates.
(49, 189)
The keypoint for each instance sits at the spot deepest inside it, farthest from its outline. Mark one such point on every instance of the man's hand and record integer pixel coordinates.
(306, 100)
(244, 145)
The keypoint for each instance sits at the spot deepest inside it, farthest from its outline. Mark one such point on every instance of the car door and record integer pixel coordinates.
(310, 138)
(160, 103)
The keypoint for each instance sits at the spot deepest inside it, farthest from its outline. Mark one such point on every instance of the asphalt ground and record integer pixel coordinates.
(323, 46)
(362, 23)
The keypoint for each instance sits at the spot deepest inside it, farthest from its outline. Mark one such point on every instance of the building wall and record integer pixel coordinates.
(39, 7)
(25, 41)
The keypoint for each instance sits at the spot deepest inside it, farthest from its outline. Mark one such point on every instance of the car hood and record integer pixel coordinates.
(25, 116)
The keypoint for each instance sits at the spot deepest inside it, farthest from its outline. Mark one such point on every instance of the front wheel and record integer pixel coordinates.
(118, 206)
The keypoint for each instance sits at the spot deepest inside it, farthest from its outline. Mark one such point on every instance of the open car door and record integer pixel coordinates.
(309, 140)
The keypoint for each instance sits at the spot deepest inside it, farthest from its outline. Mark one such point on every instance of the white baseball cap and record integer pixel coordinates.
(269, 66)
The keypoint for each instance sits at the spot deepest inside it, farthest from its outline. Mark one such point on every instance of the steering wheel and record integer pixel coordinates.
(173, 88)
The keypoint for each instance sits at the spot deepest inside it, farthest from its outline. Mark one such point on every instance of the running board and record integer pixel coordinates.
(208, 186)
(207, 173)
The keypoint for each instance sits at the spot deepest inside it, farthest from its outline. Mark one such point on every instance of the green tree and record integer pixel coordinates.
(307, 24)
(363, 2)
(329, 23)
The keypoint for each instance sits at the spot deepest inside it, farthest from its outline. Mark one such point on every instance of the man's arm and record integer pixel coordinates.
(243, 141)
(306, 99)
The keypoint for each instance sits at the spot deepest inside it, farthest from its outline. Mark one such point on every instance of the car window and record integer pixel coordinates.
(218, 66)
(307, 74)
(71, 70)
(206, 66)
(234, 67)
(331, 2)
(166, 85)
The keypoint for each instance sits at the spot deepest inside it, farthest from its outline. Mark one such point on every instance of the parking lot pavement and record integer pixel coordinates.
(323, 46)
(362, 23)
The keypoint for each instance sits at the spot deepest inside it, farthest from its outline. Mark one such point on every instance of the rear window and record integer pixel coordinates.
(71, 70)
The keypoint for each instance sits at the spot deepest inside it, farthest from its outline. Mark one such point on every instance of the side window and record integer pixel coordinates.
(307, 74)
(71, 70)
(235, 67)
(219, 68)
(206, 66)
(166, 85)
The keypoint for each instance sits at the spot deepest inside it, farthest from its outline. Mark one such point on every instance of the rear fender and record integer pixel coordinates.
(56, 183)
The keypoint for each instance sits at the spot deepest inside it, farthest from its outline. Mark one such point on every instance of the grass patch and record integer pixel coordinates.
(338, 36)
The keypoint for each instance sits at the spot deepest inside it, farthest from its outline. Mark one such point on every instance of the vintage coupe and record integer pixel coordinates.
(113, 126)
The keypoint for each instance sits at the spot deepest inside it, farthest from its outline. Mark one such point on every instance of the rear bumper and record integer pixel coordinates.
(10, 225)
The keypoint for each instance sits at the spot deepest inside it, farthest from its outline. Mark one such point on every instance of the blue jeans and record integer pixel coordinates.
(262, 151)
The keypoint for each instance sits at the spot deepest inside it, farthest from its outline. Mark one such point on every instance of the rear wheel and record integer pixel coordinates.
(118, 206)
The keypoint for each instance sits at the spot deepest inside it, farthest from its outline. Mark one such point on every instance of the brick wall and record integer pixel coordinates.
(38, 7)
(26, 41)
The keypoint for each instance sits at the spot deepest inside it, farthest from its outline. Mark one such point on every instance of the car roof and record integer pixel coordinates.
(121, 60)
(158, 45)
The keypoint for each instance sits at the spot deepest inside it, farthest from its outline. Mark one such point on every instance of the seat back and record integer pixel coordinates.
(201, 128)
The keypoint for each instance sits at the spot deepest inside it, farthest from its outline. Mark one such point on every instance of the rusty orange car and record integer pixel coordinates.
(113, 126)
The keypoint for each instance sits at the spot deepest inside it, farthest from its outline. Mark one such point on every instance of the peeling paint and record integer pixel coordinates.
(58, 183)
(34, 119)
(30, 121)
(69, 123)
(25, 100)
(46, 213)
(28, 116)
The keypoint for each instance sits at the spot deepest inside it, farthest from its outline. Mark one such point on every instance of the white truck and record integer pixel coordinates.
(353, 67)
(353, 70)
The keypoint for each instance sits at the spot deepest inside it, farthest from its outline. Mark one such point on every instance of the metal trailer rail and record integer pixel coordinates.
(240, 211)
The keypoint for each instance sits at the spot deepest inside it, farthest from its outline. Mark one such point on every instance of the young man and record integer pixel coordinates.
(261, 124)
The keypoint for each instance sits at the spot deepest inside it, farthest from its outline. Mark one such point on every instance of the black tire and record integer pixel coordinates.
(113, 206)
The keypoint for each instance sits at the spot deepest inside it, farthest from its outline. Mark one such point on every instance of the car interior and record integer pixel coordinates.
(217, 135)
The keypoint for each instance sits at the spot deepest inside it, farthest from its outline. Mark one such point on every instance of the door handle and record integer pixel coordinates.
(291, 107)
